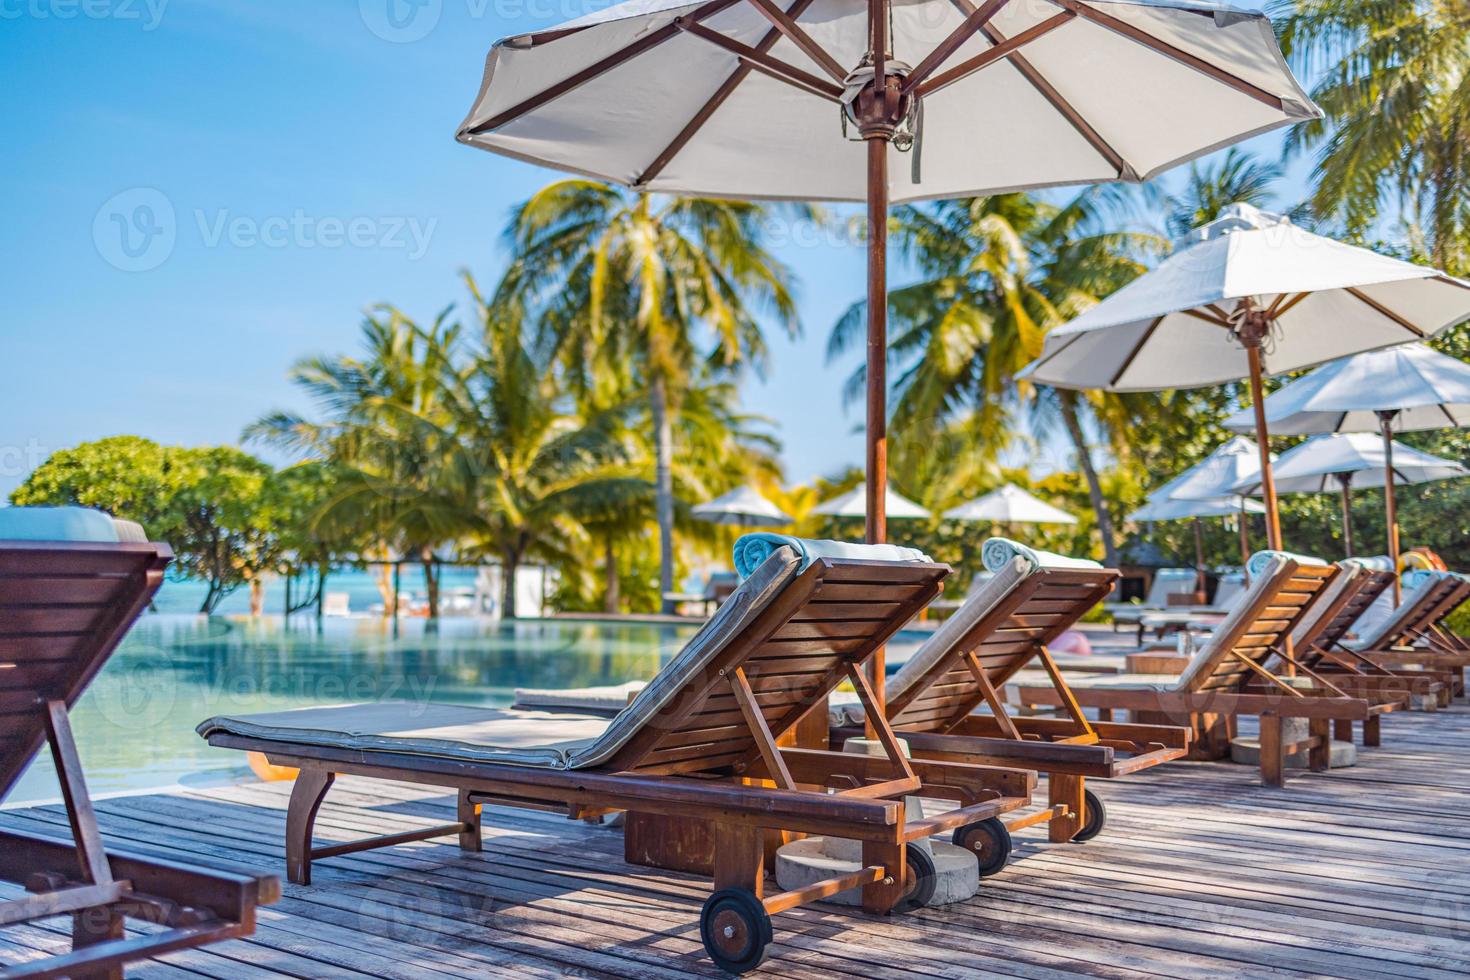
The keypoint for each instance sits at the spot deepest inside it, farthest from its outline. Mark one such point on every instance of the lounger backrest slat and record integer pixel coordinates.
(64, 607)
(796, 652)
(1372, 584)
(1022, 609)
(1262, 621)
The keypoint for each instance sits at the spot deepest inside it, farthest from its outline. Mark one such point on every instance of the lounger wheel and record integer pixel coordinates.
(923, 874)
(736, 930)
(989, 841)
(1097, 818)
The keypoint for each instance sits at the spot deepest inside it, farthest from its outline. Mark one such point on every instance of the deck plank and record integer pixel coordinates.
(1202, 872)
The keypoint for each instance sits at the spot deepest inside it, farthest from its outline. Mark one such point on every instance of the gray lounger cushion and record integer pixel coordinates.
(395, 729)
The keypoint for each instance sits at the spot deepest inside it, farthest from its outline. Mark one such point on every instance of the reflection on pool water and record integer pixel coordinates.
(135, 725)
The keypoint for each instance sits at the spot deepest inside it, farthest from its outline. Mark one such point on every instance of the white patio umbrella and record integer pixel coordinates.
(770, 99)
(1334, 462)
(1250, 294)
(854, 504)
(741, 507)
(1401, 389)
(1010, 504)
(1203, 490)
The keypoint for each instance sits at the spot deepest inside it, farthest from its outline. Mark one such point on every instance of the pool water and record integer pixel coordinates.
(135, 724)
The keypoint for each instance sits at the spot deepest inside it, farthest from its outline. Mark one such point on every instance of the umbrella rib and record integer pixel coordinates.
(597, 68)
(1217, 321)
(1128, 361)
(952, 43)
(991, 55)
(1384, 311)
(1287, 308)
(1046, 357)
(1170, 51)
(763, 62)
(1050, 94)
(788, 26)
(727, 89)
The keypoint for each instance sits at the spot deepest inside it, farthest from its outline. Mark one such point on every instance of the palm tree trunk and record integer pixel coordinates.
(431, 581)
(611, 596)
(658, 397)
(510, 564)
(1094, 486)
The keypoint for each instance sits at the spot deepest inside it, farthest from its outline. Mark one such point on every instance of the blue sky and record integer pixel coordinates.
(199, 192)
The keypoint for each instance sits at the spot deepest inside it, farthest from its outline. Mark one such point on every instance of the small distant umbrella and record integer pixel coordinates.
(1400, 389)
(1010, 505)
(1337, 461)
(854, 504)
(1205, 489)
(1250, 295)
(742, 507)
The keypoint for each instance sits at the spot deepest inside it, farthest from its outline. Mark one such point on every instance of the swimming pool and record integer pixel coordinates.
(135, 725)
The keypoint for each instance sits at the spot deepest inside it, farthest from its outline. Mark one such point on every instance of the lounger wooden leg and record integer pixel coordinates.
(92, 926)
(1319, 756)
(1273, 758)
(1104, 714)
(881, 896)
(740, 858)
(1342, 729)
(469, 815)
(1067, 790)
(1372, 732)
(306, 798)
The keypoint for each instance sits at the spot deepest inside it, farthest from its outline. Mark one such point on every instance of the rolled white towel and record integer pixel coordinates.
(997, 553)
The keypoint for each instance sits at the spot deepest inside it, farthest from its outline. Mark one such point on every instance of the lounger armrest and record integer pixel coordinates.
(231, 896)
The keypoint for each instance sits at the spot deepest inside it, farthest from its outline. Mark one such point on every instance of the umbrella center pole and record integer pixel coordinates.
(1385, 425)
(1252, 326)
(1346, 479)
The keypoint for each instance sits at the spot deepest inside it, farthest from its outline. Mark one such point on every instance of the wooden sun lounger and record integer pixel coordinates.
(1228, 678)
(702, 742)
(1420, 638)
(64, 607)
(1318, 647)
(1005, 626)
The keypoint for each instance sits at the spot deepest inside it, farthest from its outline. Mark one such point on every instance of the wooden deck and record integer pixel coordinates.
(1202, 873)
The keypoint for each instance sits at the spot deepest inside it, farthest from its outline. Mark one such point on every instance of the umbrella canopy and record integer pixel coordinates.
(1315, 465)
(743, 98)
(1421, 387)
(1158, 508)
(742, 507)
(767, 99)
(1402, 388)
(1217, 475)
(1250, 294)
(854, 504)
(1010, 505)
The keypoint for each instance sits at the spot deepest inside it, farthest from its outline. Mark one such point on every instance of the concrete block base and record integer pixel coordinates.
(1247, 752)
(806, 861)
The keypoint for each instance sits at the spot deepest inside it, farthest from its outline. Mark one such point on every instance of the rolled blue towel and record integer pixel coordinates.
(65, 524)
(996, 553)
(1377, 563)
(1261, 559)
(1415, 577)
(753, 549)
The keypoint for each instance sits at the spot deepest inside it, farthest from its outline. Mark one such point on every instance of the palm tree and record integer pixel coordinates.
(1235, 178)
(638, 292)
(1000, 272)
(1392, 87)
(385, 428)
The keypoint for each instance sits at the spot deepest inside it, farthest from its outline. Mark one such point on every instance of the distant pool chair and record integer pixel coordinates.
(1167, 582)
(72, 583)
(700, 742)
(718, 587)
(337, 604)
(1229, 677)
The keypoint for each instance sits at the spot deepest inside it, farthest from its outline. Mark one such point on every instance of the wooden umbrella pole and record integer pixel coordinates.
(1245, 538)
(1346, 480)
(1385, 424)
(1199, 557)
(1263, 439)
